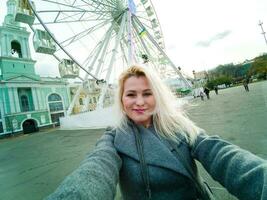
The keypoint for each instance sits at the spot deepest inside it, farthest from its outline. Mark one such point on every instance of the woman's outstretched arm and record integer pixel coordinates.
(242, 173)
(96, 177)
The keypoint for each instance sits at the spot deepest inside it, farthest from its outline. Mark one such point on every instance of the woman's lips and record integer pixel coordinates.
(140, 111)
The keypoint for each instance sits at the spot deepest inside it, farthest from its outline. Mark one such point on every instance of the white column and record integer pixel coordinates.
(40, 99)
(11, 100)
(34, 98)
(16, 98)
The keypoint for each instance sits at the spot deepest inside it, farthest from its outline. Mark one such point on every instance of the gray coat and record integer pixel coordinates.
(242, 173)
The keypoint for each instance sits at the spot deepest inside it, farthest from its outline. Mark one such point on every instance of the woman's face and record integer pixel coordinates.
(138, 100)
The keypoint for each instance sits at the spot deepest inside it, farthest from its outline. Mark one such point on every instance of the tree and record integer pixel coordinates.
(259, 67)
(227, 80)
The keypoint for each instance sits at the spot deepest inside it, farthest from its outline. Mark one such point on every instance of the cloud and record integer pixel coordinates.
(218, 36)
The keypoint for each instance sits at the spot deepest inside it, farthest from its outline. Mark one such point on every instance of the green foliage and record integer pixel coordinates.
(231, 70)
(227, 80)
(230, 73)
(259, 67)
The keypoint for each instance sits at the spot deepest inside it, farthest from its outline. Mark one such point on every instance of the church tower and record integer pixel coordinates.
(15, 55)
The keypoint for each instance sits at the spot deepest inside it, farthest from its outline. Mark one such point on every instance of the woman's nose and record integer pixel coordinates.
(140, 100)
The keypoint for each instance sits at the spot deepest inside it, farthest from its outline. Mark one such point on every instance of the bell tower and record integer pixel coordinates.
(15, 55)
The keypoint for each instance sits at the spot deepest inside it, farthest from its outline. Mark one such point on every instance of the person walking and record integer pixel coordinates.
(151, 152)
(207, 92)
(201, 95)
(245, 83)
(216, 89)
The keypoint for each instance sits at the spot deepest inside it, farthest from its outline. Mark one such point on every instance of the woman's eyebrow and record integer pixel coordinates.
(147, 90)
(130, 91)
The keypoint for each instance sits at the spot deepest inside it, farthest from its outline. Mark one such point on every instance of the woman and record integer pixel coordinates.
(152, 150)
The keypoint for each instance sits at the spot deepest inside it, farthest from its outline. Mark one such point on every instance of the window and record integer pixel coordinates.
(16, 49)
(25, 99)
(24, 103)
(54, 97)
(81, 101)
(55, 103)
(53, 107)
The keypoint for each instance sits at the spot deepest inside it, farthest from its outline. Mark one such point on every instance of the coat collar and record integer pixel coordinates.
(157, 150)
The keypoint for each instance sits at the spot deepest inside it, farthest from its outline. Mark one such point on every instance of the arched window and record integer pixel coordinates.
(54, 97)
(16, 49)
(55, 103)
(24, 103)
(55, 107)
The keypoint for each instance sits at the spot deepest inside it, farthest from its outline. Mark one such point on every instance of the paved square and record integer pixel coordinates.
(31, 166)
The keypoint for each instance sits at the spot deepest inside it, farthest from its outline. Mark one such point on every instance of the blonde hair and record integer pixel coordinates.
(168, 120)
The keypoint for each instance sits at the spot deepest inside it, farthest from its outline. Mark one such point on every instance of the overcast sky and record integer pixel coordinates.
(200, 35)
(204, 34)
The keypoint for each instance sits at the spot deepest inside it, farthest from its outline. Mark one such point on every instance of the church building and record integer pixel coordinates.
(27, 100)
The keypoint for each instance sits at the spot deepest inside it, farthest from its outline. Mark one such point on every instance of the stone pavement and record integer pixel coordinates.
(31, 166)
(237, 116)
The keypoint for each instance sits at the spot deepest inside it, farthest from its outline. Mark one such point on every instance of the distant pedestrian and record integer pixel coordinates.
(216, 89)
(245, 83)
(201, 95)
(207, 92)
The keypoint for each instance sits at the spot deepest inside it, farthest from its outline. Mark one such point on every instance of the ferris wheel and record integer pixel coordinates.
(97, 39)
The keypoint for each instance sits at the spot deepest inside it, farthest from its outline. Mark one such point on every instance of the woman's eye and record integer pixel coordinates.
(147, 94)
(130, 95)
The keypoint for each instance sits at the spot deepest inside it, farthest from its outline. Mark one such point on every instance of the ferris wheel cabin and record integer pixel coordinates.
(149, 11)
(68, 69)
(144, 1)
(158, 35)
(43, 42)
(24, 13)
(154, 23)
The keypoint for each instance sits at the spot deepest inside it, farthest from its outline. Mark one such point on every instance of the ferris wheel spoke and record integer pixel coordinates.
(102, 46)
(81, 18)
(82, 34)
(123, 53)
(71, 21)
(76, 17)
(163, 53)
(92, 57)
(71, 11)
(103, 51)
(101, 5)
(143, 18)
(94, 5)
(145, 21)
(62, 4)
(76, 6)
